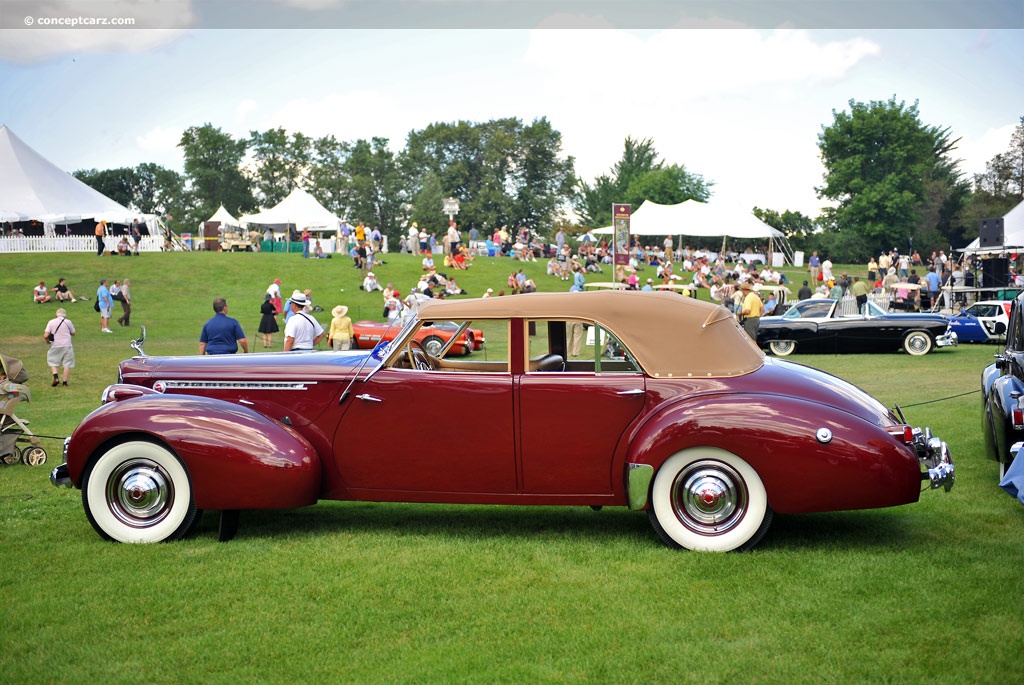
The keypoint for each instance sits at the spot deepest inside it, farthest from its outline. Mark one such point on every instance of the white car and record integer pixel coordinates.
(984, 321)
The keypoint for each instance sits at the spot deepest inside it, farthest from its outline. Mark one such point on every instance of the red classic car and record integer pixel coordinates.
(638, 399)
(433, 336)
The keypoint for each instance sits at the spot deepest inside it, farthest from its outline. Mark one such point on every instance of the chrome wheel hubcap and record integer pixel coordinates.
(140, 493)
(709, 497)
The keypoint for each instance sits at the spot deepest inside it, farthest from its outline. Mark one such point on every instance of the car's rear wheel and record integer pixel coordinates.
(917, 343)
(782, 348)
(707, 499)
(433, 345)
(138, 492)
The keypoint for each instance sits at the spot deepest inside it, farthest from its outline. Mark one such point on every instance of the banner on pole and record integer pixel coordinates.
(620, 233)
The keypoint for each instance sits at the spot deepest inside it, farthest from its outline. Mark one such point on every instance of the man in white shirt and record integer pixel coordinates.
(302, 331)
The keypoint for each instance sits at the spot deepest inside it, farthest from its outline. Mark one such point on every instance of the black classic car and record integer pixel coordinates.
(832, 326)
(1002, 388)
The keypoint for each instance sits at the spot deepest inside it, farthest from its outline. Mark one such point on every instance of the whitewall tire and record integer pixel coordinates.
(782, 348)
(707, 499)
(917, 343)
(138, 492)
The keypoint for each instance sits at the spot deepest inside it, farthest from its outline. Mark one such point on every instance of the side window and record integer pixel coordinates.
(472, 347)
(573, 345)
(1015, 336)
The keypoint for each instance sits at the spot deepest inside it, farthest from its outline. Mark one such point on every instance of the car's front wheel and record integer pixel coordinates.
(917, 343)
(782, 348)
(138, 492)
(707, 499)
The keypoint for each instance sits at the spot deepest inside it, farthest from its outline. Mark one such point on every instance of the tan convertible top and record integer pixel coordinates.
(670, 335)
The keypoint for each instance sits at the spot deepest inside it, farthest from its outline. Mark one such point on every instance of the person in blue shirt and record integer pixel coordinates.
(105, 303)
(222, 334)
(934, 281)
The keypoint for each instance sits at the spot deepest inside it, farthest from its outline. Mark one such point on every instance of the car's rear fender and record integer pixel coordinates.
(235, 457)
(1003, 395)
(855, 465)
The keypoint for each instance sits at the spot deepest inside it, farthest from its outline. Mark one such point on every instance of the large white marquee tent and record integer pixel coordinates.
(299, 210)
(693, 218)
(34, 189)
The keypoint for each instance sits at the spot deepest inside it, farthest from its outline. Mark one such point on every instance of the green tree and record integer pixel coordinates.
(213, 168)
(327, 174)
(158, 190)
(537, 179)
(501, 171)
(891, 176)
(998, 190)
(117, 184)
(797, 227)
(280, 163)
(638, 176)
(376, 194)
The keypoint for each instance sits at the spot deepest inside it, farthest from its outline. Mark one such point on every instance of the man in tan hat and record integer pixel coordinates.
(752, 310)
(341, 333)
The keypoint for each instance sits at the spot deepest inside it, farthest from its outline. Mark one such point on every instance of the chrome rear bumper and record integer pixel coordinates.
(935, 458)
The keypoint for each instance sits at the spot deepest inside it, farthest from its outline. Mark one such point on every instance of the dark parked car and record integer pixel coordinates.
(822, 325)
(1002, 388)
(670, 408)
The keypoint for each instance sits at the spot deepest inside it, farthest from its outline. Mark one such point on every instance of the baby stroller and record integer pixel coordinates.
(12, 429)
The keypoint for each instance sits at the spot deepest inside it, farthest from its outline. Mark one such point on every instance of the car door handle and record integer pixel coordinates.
(634, 391)
(369, 398)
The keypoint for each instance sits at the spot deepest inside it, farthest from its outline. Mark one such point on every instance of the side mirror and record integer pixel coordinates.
(1000, 328)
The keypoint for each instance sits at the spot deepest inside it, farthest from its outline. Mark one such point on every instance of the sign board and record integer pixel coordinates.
(451, 207)
(620, 233)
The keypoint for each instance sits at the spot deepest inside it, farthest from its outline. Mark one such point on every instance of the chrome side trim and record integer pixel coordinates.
(236, 385)
(638, 484)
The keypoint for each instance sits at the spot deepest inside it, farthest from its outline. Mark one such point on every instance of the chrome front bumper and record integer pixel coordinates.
(59, 476)
(947, 339)
(934, 456)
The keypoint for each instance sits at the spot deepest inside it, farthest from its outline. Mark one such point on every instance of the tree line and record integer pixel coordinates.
(892, 180)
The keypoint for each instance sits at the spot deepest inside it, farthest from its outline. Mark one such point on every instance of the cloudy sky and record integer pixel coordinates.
(735, 96)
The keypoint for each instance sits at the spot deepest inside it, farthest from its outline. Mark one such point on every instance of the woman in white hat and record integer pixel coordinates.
(341, 333)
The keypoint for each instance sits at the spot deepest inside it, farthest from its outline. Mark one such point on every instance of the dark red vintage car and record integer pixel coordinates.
(433, 336)
(644, 400)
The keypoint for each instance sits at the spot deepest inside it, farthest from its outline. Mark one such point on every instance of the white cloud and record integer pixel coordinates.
(976, 152)
(160, 140)
(244, 109)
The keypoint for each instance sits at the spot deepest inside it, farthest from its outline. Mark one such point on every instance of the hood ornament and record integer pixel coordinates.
(137, 344)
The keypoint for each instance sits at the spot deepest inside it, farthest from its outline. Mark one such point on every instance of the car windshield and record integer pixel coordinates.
(983, 310)
(810, 309)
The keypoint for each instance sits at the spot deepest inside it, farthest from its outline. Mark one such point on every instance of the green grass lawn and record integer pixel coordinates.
(360, 592)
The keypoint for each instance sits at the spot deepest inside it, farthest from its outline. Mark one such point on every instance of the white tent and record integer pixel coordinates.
(33, 188)
(299, 210)
(224, 217)
(1013, 233)
(693, 218)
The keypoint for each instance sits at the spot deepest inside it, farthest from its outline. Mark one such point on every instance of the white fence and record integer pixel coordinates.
(73, 243)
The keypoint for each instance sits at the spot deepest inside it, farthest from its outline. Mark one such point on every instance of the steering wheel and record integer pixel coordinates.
(418, 357)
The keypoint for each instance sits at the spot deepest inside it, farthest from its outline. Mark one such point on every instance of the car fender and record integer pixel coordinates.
(1000, 399)
(851, 464)
(236, 458)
